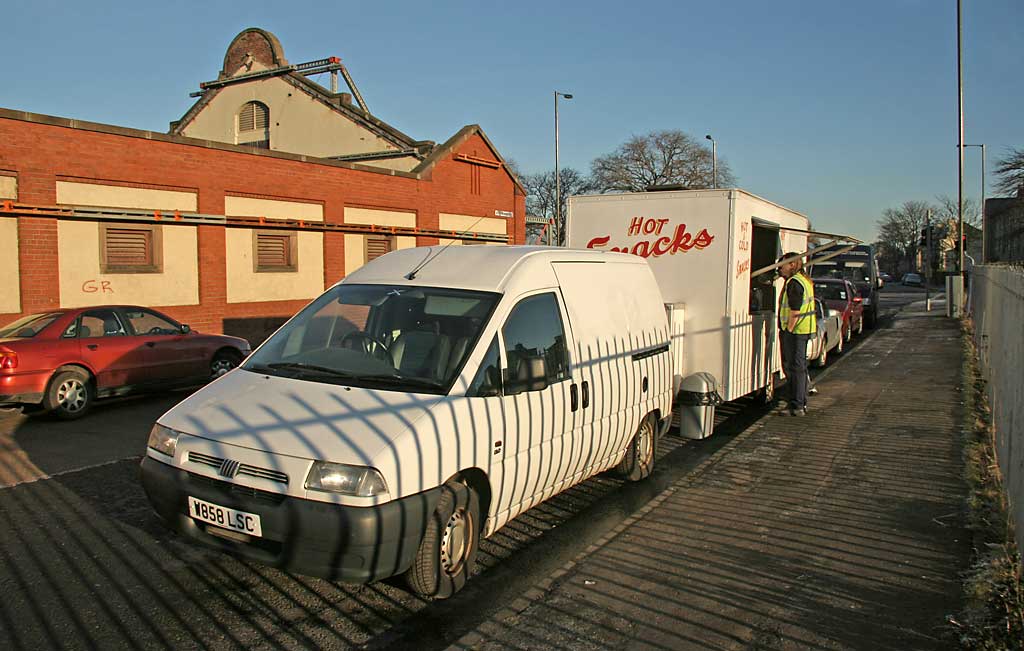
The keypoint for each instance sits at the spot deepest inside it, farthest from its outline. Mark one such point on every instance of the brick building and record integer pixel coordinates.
(236, 218)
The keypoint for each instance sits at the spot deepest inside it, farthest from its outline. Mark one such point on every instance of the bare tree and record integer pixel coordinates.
(540, 198)
(1010, 173)
(946, 210)
(899, 229)
(659, 158)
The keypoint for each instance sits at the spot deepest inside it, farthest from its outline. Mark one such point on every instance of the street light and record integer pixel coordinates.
(558, 179)
(984, 232)
(714, 161)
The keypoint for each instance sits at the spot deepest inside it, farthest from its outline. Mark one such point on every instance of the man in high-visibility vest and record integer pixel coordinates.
(798, 324)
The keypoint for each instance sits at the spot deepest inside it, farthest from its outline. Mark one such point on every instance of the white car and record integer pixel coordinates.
(828, 337)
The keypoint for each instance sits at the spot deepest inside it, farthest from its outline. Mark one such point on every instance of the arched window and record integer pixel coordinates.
(253, 127)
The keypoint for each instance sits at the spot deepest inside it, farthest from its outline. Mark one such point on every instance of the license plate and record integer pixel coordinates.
(221, 516)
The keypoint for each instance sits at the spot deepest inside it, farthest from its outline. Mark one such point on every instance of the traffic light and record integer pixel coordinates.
(924, 237)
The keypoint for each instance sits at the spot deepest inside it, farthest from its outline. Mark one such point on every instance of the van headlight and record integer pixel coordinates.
(359, 481)
(163, 439)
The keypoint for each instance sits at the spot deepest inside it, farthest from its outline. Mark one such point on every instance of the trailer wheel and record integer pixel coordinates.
(447, 553)
(639, 460)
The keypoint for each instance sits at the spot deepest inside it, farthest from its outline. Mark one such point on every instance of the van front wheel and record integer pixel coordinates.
(448, 550)
(639, 460)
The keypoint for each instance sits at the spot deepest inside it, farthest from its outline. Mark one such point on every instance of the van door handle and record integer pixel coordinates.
(151, 343)
(574, 397)
(92, 346)
(586, 394)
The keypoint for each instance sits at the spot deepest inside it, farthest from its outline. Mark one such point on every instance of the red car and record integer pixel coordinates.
(65, 359)
(842, 296)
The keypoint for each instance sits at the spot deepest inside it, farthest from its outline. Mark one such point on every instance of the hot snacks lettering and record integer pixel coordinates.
(680, 241)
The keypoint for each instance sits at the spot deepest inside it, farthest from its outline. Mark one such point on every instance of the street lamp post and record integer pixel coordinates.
(984, 231)
(558, 178)
(714, 161)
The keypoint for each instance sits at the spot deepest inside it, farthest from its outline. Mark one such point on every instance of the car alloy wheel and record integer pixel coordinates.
(72, 395)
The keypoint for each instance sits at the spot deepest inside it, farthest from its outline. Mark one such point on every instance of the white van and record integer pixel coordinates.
(423, 402)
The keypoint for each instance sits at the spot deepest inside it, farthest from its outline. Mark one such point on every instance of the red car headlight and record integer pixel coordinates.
(8, 360)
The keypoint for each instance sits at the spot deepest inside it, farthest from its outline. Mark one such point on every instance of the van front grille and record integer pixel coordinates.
(243, 469)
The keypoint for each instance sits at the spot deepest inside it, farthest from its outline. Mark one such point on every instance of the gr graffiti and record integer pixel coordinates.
(97, 287)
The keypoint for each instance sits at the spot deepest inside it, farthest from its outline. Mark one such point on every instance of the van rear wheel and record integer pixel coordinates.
(447, 553)
(639, 460)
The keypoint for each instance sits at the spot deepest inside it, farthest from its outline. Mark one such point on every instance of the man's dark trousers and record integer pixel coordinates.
(794, 363)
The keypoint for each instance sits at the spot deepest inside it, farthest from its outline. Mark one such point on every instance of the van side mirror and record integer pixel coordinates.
(185, 329)
(531, 375)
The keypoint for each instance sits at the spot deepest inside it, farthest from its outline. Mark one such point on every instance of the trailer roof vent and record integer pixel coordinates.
(666, 187)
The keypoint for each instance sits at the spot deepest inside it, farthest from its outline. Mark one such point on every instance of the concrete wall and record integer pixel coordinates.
(998, 306)
(1005, 223)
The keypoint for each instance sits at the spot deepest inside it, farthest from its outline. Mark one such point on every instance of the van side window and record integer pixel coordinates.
(534, 345)
(487, 382)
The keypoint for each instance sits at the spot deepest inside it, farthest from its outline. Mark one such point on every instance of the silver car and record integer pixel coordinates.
(828, 337)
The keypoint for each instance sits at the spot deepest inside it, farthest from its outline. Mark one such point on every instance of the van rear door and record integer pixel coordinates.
(617, 318)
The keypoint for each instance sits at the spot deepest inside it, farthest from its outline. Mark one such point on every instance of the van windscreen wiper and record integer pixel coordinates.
(300, 366)
(396, 378)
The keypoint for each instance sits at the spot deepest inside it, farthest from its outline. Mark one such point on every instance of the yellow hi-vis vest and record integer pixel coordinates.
(806, 323)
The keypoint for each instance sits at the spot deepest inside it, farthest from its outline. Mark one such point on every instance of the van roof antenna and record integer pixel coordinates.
(430, 258)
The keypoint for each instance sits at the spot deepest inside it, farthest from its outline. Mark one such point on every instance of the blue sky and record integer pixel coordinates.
(837, 109)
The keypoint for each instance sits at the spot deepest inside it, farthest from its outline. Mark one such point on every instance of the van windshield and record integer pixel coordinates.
(391, 337)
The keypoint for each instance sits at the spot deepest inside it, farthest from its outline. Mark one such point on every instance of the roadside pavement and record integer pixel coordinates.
(839, 530)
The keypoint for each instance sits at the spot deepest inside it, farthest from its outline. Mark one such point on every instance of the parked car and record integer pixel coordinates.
(828, 337)
(843, 297)
(913, 280)
(65, 359)
(885, 277)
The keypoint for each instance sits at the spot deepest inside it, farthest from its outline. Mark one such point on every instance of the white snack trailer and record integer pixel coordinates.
(702, 246)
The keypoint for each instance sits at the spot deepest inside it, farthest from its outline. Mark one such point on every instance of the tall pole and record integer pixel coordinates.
(928, 260)
(960, 135)
(714, 161)
(984, 225)
(558, 177)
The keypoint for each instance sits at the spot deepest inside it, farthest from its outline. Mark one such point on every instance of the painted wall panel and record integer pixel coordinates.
(245, 285)
(95, 194)
(82, 284)
(8, 187)
(10, 289)
(273, 209)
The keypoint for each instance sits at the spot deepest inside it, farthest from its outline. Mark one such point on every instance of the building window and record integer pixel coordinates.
(275, 251)
(130, 248)
(378, 246)
(254, 125)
